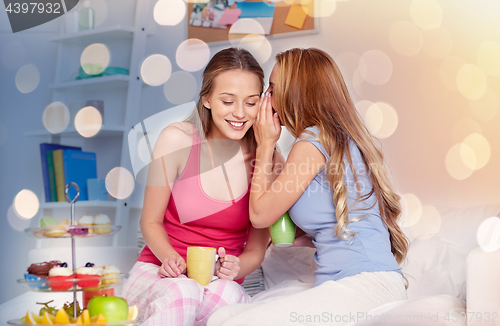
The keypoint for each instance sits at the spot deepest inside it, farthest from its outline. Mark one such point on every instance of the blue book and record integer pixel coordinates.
(78, 167)
(44, 147)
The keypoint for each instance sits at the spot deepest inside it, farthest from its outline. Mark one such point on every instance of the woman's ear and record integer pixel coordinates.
(206, 103)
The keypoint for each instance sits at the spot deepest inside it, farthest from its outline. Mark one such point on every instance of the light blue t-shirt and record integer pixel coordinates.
(314, 212)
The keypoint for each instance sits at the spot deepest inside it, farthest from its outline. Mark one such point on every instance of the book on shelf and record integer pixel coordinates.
(44, 147)
(78, 167)
(59, 173)
(52, 176)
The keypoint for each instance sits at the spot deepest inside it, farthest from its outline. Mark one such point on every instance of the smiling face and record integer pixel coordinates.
(234, 104)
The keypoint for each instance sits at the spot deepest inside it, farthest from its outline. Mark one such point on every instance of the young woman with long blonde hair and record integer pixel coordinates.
(336, 188)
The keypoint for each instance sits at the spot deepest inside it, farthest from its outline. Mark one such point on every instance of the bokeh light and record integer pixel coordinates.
(426, 14)
(455, 164)
(488, 234)
(243, 27)
(448, 71)
(26, 204)
(13, 55)
(88, 121)
(180, 88)
(437, 43)
(27, 78)
(428, 225)
(463, 128)
(381, 120)
(486, 107)
(488, 58)
(362, 107)
(481, 149)
(56, 117)
(192, 55)
(17, 223)
(375, 67)
(169, 12)
(95, 58)
(471, 82)
(405, 38)
(258, 45)
(120, 183)
(322, 8)
(156, 70)
(412, 209)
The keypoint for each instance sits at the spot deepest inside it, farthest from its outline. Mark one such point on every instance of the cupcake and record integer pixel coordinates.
(102, 224)
(88, 276)
(39, 272)
(110, 274)
(60, 277)
(87, 221)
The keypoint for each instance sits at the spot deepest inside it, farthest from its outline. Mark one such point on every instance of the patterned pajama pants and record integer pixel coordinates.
(177, 301)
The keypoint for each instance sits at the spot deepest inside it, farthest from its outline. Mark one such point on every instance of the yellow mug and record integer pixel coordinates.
(201, 263)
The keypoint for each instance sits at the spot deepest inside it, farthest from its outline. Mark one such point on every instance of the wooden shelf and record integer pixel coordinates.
(106, 131)
(83, 203)
(98, 35)
(103, 83)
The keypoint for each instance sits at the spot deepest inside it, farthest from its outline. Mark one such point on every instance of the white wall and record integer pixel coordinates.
(428, 113)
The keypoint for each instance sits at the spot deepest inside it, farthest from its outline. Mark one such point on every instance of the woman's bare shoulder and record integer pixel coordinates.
(176, 136)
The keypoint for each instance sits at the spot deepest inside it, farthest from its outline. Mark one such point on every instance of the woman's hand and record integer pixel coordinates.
(173, 266)
(267, 126)
(302, 239)
(228, 266)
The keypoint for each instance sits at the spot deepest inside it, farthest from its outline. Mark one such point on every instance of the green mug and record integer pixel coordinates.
(283, 231)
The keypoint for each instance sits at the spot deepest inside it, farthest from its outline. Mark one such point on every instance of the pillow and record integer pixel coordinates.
(437, 265)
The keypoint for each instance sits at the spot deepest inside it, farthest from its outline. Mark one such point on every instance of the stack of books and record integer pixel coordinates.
(254, 282)
(62, 165)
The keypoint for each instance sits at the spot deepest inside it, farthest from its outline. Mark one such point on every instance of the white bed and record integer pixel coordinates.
(440, 291)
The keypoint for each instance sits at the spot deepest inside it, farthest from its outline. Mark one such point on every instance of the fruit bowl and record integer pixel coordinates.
(19, 322)
(70, 284)
(76, 231)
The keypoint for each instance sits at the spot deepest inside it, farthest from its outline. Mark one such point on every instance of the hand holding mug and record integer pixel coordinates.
(228, 266)
(173, 266)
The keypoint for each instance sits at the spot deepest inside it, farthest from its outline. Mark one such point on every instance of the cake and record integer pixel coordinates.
(60, 277)
(39, 272)
(110, 274)
(88, 276)
(86, 220)
(54, 231)
(102, 224)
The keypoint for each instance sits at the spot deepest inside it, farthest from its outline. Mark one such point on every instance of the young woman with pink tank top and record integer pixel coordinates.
(198, 195)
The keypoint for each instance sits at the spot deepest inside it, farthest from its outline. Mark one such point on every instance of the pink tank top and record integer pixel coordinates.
(193, 218)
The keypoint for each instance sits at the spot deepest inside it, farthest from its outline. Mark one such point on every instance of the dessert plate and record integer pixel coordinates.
(71, 284)
(18, 322)
(76, 231)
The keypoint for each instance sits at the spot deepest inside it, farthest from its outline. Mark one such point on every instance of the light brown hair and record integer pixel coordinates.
(310, 91)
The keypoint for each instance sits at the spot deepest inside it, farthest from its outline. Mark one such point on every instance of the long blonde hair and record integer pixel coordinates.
(222, 61)
(310, 91)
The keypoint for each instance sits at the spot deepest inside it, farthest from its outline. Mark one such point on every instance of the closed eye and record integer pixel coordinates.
(227, 103)
(251, 104)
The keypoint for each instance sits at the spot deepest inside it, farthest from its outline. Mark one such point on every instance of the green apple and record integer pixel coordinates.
(113, 308)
